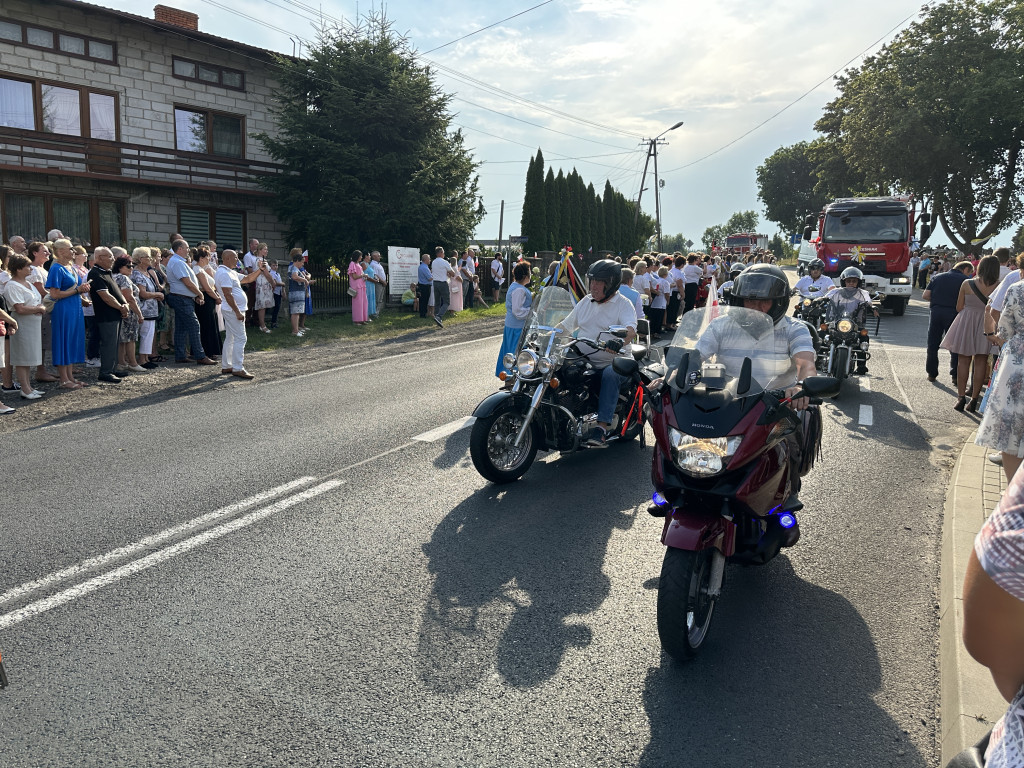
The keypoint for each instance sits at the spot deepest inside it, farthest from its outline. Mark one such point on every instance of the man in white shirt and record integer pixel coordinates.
(249, 259)
(593, 316)
(229, 285)
(467, 269)
(440, 271)
(815, 278)
(497, 275)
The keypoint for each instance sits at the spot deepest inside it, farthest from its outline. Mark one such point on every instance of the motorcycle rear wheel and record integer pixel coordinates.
(490, 446)
(684, 606)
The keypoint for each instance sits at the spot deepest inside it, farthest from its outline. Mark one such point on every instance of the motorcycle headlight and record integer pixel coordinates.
(807, 302)
(702, 456)
(509, 360)
(844, 326)
(527, 363)
(545, 365)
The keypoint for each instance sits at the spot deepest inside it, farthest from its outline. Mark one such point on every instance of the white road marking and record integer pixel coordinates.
(445, 430)
(902, 391)
(865, 384)
(129, 569)
(867, 416)
(150, 541)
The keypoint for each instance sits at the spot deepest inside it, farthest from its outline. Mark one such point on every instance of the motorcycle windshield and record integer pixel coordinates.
(550, 307)
(730, 336)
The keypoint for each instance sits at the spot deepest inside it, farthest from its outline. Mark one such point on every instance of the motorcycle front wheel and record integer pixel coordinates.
(840, 366)
(684, 605)
(492, 450)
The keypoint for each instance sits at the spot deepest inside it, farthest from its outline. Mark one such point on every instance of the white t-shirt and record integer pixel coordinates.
(692, 273)
(674, 275)
(468, 265)
(227, 281)
(998, 296)
(249, 262)
(660, 298)
(642, 283)
(440, 269)
(593, 320)
(772, 362)
(498, 271)
(38, 275)
(804, 284)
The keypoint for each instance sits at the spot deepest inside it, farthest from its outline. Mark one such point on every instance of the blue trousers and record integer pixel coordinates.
(186, 327)
(610, 383)
(938, 323)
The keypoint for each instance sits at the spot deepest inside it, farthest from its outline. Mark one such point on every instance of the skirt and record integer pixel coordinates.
(27, 342)
(509, 343)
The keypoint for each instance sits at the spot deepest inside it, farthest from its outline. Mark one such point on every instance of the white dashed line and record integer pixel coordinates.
(865, 384)
(443, 431)
(867, 416)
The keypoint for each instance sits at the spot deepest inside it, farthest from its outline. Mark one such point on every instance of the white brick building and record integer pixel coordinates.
(116, 128)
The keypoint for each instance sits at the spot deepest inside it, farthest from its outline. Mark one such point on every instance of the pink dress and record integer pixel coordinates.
(455, 291)
(360, 308)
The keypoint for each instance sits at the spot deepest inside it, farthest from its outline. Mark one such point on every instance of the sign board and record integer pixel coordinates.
(795, 239)
(518, 238)
(403, 264)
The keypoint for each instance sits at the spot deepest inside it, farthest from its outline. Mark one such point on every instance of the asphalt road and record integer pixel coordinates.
(381, 604)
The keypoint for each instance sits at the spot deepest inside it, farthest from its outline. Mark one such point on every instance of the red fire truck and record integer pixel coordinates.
(745, 242)
(873, 234)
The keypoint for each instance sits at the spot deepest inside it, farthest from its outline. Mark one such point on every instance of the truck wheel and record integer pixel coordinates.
(899, 306)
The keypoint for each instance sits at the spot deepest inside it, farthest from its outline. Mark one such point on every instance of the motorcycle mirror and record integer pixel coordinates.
(807, 233)
(625, 366)
(820, 386)
(619, 331)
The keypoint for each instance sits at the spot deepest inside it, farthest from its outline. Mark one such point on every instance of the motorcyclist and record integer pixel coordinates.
(781, 362)
(814, 279)
(593, 316)
(851, 299)
(734, 272)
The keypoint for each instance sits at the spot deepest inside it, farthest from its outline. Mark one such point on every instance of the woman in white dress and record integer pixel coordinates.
(1002, 427)
(27, 306)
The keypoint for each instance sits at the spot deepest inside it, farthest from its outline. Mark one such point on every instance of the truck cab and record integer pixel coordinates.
(873, 234)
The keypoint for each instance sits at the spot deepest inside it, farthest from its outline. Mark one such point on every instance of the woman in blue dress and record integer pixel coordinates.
(517, 308)
(371, 288)
(67, 319)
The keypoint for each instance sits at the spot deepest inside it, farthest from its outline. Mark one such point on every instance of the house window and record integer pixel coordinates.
(211, 133)
(227, 228)
(78, 46)
(17, 108)
(58, 108)
(24, 215)
(186, 69)
(85, 220)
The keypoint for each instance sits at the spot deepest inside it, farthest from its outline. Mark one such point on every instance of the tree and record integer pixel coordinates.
(786, 185)
(742, 221)
(715, 235)
(534, 222)
(673, 243)
(611, 218)
(551, 198)
(938, 112)
(780, 248)
(364, 135)
(1017, 246)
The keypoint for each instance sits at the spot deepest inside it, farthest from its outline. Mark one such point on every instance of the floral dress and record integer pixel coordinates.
(1002, 428)
(1000, 550)
(130, 324)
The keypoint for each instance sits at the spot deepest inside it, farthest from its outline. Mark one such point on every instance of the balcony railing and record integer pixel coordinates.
(132, 163)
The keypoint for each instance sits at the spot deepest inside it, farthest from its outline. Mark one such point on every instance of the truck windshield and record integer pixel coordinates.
(865, 227)
(737, 242)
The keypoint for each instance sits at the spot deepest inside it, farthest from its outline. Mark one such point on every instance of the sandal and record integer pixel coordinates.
(157, 359)
(69, 385)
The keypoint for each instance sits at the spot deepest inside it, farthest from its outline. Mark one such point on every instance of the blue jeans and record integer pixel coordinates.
(610, 383)
(186, 327)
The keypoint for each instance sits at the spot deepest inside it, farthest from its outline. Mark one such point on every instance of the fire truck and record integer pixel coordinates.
(873, 234)
(745, 242)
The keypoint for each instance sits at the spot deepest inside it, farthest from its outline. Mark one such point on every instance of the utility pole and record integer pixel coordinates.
(501, 228)
(652, 151)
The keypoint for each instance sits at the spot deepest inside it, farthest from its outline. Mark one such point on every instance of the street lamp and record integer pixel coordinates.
(652, 151)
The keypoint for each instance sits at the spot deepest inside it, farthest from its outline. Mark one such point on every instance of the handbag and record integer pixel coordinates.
(352, 291)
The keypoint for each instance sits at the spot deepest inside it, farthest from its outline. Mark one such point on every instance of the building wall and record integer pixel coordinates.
(143, 80)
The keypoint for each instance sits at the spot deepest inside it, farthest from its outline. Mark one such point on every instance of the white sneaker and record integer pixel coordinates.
(33, 395)
(93, 362)
(136, 368)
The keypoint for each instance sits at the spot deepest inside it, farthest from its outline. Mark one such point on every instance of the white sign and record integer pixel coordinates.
(403, 264)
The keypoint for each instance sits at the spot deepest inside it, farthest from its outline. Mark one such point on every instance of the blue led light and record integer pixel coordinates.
(787, 520)
(658, 499)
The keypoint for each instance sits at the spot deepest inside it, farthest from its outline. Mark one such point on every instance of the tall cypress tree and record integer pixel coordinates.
(575, 212)
(563, 210)
(586, 218)
(600, 238)
(611, 218)
(534, 222)
(553, 213)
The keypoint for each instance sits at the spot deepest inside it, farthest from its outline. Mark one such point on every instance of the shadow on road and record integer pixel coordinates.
(899, 430)
(509, 572)
(790, 669)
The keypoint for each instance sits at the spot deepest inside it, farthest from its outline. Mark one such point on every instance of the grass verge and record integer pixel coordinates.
(390, 323)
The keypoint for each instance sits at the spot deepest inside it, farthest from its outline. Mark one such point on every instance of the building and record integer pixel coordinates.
(120, 129)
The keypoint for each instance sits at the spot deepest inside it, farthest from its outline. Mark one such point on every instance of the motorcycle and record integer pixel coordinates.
(721, 467)
(844, 337)
(549, 402)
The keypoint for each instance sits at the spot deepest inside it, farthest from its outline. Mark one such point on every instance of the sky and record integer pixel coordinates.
(587, 81)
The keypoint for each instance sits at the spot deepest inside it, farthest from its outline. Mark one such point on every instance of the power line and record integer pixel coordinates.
(795, 101)
(438, 48)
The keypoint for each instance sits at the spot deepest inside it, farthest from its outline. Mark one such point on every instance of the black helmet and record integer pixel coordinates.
(816, 264)
(609, 272)
(735, 271)
(850, 272)
(763, 281)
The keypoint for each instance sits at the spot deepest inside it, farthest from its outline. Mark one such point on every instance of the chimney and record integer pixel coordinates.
(178, 18)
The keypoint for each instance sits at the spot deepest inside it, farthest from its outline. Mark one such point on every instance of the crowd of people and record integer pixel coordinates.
(450, 283)
(119, 312)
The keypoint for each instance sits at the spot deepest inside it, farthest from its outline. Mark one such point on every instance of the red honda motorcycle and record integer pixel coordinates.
(722, 460)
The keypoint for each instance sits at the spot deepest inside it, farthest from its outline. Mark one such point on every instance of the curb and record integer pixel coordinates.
(970, 704)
